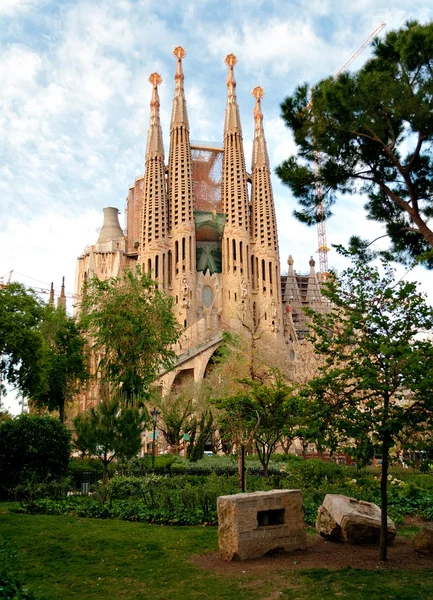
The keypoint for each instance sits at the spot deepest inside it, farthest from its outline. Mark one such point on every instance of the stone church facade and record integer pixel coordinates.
(205, 228)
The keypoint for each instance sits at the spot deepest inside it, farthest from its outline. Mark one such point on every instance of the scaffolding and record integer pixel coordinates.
(207, 160)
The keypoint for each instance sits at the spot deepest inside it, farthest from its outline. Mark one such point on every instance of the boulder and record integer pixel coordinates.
(345, 519)
(423, 541)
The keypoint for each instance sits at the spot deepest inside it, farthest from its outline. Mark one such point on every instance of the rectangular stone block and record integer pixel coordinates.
(244, 533)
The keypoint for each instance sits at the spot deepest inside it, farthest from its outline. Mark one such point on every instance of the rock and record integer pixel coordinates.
(345, 519)
(327, 526)
(252, 525)
(423, 541)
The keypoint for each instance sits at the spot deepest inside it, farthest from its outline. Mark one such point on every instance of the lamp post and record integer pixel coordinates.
(154, 414)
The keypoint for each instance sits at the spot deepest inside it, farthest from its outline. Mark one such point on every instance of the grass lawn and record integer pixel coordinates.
(88, 559)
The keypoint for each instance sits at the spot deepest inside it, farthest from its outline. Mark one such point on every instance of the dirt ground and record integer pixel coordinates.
(321, 554)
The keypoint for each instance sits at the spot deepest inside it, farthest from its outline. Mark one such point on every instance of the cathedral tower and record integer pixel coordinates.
(182, 254)
(265, 261)
(154, 251)
(236, 241)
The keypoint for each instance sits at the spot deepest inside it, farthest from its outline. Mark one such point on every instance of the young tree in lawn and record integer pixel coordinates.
(242, 413)
(373, 130)
(276, 406)
(376, 383)
(132, 328)
(65, 361)
(110, 430)
(176, 411)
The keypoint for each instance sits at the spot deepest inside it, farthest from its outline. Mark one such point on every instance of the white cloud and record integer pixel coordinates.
(11, 7)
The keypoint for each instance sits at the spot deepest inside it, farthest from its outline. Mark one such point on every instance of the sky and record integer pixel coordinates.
(74, 109)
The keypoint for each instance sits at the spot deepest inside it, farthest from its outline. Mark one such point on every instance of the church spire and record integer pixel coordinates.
(154, 213)
(179, 164)
(267, 282)
(182, 256)
(155, 147)
(61, 300)
(179, 114)
(51, 300)
(234, 191)
(264, 222)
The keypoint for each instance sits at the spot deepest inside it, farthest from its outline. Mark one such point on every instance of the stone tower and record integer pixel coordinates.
(236, 283)
(265, 260)
(154, 225)
(181, 269)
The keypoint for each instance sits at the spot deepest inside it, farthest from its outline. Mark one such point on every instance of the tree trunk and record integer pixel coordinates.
(384, 499)
(241, 467)
(62, 411)
(105, 463)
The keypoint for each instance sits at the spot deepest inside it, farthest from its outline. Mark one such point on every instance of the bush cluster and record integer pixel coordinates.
(181, 493)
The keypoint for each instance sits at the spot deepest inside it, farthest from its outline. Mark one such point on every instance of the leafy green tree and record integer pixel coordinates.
(241, 412)
(132, 329)
(373, 130)
(376, 383)
(274, 405)
(21, 340)
(200, 428)
(65, 361)
(110, 430)
(33, 449)
(176, 412)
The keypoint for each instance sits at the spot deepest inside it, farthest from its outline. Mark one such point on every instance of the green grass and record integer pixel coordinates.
(68, 558)
(355, 584)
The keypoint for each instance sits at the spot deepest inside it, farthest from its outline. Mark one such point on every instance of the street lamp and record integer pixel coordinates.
(154, 414)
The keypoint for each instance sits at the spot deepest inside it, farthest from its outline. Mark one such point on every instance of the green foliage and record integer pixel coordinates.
(21, 341)
(373, 130)
(32, 449)
(65, 361)
(112, 429)
(375, 387)
(132, 328)
(30, 491)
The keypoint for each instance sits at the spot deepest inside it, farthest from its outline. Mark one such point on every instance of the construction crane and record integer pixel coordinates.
(2, 283)
(320, 207)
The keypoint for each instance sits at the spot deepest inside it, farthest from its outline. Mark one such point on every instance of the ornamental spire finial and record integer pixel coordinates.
(230, 61)
(155, 79)
(258, 93)
(179, 52)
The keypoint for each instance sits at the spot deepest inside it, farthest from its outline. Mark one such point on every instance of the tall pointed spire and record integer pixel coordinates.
(155, 147)
(154, 213)
(267, 281)
(237, 273)
(232, 121)
(61, 300)
(51, 300)
(179, 115)
(235, 191)
(182, 257)
(264, 223)
(179, 164)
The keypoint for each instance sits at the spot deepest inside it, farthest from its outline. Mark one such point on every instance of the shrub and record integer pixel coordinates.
(32, 448)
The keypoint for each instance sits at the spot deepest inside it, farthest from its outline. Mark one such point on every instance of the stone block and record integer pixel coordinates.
(423, 541)
(345, 519)
(251, 525)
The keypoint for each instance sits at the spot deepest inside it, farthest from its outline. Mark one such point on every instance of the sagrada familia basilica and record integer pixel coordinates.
(205, 228)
